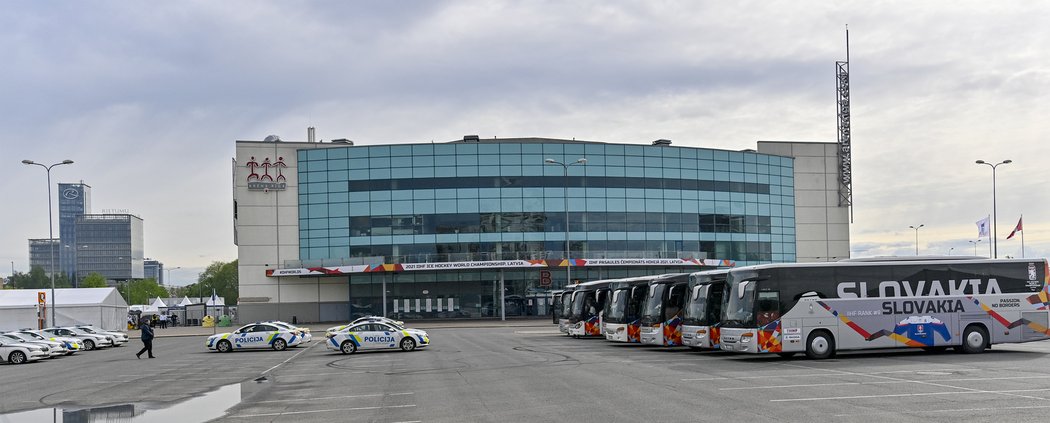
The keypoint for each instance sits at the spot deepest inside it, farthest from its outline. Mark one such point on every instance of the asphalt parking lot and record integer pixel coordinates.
(533, 373)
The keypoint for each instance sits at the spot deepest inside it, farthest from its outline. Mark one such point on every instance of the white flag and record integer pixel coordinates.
(982, 227)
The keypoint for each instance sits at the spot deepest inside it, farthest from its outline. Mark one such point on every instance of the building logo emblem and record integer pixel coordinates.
(266, 181)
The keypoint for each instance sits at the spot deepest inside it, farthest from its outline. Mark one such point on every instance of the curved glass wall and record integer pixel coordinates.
(497, 199)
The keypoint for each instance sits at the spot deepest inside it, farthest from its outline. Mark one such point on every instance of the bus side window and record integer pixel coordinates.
(768, 308)
(674, 301)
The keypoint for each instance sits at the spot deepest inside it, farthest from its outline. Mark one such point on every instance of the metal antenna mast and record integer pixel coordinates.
(845, 146)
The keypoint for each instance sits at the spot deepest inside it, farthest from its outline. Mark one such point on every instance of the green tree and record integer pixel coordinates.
(142, 290)
(218, 276)
(94, 280)
(37, 278)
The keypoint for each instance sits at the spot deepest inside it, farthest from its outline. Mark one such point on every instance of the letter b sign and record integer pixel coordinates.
(545, 278)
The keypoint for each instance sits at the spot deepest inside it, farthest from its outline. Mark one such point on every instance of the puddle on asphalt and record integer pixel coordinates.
(209, 406)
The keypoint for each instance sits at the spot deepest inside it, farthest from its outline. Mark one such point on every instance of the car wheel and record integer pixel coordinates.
(279, 345)
(408, 344)
(348, 347)
(820, 345)
(89, 345)
(224, 346)
(17, 357)
(974, 340)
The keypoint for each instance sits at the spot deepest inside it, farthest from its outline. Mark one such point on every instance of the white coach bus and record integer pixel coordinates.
(623, 312)
(588, 302)
(925, 302)
(702, 315)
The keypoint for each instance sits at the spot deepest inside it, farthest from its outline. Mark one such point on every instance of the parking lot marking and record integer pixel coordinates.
(339, 397)
(954, 410)
(289, 359)
(330, 410)
(930, 383)
(919, 394)
(884, 382)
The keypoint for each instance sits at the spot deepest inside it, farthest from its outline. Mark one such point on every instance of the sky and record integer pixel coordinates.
(148, 99)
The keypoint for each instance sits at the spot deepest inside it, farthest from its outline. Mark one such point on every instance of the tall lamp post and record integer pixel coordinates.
(917, 236)
(565, 167)
(950, 250)
(974, 246)
(995, 235)
(167, 279)
(50, 227)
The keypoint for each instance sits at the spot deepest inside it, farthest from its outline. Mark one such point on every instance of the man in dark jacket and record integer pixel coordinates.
(147, 340)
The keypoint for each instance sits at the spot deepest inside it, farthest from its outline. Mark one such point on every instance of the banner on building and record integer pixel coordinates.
(493, 264)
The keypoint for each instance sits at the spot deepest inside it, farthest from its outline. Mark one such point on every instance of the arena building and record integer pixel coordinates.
(478, 227)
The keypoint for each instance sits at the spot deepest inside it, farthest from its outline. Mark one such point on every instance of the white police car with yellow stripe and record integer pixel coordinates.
(376, 335)
(254, 336)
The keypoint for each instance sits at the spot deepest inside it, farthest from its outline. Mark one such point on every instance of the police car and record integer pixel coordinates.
(396, 323)
(253, 336)
(72, 345)
(303, 332)
(376, 335)
(57, 349)
(88, 340)
(15, 352)
(118, 338)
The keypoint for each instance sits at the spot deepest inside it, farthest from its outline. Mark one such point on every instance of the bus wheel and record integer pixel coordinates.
(786, 355)
(820, 345)
(975, 340)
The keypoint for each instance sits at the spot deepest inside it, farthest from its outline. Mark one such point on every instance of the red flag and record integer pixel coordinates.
(1016, 229)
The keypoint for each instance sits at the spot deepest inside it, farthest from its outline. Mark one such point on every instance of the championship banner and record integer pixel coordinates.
(493, 264)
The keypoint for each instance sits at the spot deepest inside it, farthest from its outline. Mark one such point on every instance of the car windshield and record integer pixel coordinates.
(12, 337)
(652, 312)
(616, 309)
(696, 306)
(739, 308)
(33, 335)
(88, 330)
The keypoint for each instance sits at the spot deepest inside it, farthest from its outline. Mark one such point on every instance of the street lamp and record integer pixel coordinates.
(167, 280)
(950, 250)
(917, 236)
(995, 235)
(50, 227)
(974, 246)
(565, 167)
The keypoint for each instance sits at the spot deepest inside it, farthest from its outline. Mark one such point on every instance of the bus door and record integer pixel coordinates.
(633, 315)
(767, 318)
(673, 305)
(589, 317)
(713, 312)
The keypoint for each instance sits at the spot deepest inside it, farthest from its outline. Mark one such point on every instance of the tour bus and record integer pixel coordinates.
(556, 304)
(623, 311)
(662, 313)
(566, 308)
(588, 301)
(703, 309)
(931, 303)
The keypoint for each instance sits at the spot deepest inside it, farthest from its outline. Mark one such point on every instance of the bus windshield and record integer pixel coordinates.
(652, 312)
(616, 308)
(696, 306)
(740, 304)
(578, 299)
(566, 305)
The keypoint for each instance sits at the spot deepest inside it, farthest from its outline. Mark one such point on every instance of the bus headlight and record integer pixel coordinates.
(702, 333)
(746, 337)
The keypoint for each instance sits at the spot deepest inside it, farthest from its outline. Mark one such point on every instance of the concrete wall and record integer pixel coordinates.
(821, 226)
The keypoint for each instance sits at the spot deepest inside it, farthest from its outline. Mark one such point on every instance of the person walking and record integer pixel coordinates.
(147, 340)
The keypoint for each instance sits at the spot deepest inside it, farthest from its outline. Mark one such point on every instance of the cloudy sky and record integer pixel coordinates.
(148, 99)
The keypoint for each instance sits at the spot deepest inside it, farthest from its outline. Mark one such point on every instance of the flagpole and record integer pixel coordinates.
(1022, 235)
(989, 238)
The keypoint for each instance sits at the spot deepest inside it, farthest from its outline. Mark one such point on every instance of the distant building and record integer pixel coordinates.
(74, 199)
(110, 245)
(153, 269)
(41, 253)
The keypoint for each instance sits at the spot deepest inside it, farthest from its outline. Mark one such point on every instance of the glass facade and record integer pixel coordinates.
(74, 199)
(110, 245)
(497, 199)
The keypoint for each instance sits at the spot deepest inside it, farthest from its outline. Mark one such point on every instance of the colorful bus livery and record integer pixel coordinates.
(821, 308)
(662, 313)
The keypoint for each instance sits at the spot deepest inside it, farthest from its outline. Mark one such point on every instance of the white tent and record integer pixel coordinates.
(159, 304)
(102, 307)
(185, 302)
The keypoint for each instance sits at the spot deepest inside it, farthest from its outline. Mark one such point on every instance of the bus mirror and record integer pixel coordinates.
(741, 288)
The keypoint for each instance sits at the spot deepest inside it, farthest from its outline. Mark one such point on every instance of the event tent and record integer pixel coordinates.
(101, 307)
